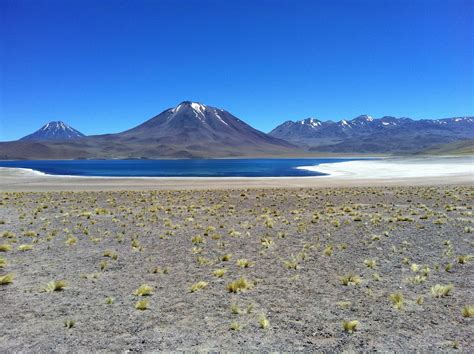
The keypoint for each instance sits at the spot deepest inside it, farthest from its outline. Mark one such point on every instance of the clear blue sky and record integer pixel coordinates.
(108, 65)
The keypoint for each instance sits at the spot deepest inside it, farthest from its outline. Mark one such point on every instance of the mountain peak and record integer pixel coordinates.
(364, 117)
(54, 130)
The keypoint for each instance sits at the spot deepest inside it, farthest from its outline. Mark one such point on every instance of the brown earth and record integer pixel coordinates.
(298, 242)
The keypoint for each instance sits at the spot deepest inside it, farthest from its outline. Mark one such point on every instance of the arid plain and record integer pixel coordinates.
(334, 268)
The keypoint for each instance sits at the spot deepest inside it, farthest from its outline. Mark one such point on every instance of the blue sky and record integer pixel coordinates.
(107, 65)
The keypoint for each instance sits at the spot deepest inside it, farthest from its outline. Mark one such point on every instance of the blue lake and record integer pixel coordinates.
(176, 168)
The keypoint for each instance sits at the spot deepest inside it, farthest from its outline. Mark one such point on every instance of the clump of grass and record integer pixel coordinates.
(111, 254)
(5, 247)
(420, 300)
(266, 242)
(441, 290)
(263, 322)
(414, 267)
(142, 304)
(235, 326)
(109, 300)
(350, 326)
(55, 285)
(3, 262)
(143, 290)
(198, 286)
(464, 259)
(226, 257)
(25, 247)
(468, 311)
(371, 263)
(71, 240)
(69, 323)
(328, 250)
(240, 284)
(219, 272)
(197, 239)
(376, 277)
(291, 264)
(417, 279)
(102, 265)
(350, 279)
(344, 304)
(250, 308)
(244, 263)
(397, 300)
(234, 309)
(6, 279)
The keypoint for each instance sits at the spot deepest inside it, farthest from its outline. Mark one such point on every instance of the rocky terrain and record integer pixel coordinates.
(386, 268)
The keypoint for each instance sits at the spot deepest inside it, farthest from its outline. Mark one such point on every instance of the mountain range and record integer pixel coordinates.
(366, 134)
(195, 130)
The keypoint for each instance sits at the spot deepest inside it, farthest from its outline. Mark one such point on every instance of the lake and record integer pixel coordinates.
(176, 168)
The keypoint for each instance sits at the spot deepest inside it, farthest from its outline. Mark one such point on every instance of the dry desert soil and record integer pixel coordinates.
(250, 269)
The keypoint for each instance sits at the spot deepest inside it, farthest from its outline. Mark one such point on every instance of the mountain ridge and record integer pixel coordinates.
(367, 134)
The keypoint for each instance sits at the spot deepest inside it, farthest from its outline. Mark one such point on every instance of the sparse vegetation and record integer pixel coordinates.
(398, 300)
(143, 290)
(240, 284)
(350, 326)
(198, 286)
(441, 290)
(6, 279)
(304, 274)
(55, 285)
(142, 304)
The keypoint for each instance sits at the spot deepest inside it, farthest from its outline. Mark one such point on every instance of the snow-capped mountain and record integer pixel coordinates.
(365, 133)
(56, 130)
(198, 126)
(189, 130)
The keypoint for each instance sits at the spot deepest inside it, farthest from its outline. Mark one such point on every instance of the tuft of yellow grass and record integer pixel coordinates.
(226, 257)
(244, 263)
(441, 290)
(370, 263)
(5, 247)
(219, 272)
(3, 262)
(235, 326)
(55, 285)
(143, 290)
(468, 311)
(142, 304)
(350, 279)
(6, 279)
(198, 286)
(240, 284)
(397, 300)
(263, 322)
(464, 259)
(25, 247)
(350, 326)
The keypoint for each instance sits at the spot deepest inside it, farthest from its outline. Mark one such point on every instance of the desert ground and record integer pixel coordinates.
(368, 267)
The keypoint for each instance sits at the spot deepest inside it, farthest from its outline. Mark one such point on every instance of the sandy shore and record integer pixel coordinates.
(387, 172)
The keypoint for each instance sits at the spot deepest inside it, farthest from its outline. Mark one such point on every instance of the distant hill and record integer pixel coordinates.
(189, 130)
(464, 147)
(54, 131)
(365, 134)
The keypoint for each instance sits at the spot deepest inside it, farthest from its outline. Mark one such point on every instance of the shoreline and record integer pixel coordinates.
(382, 172)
